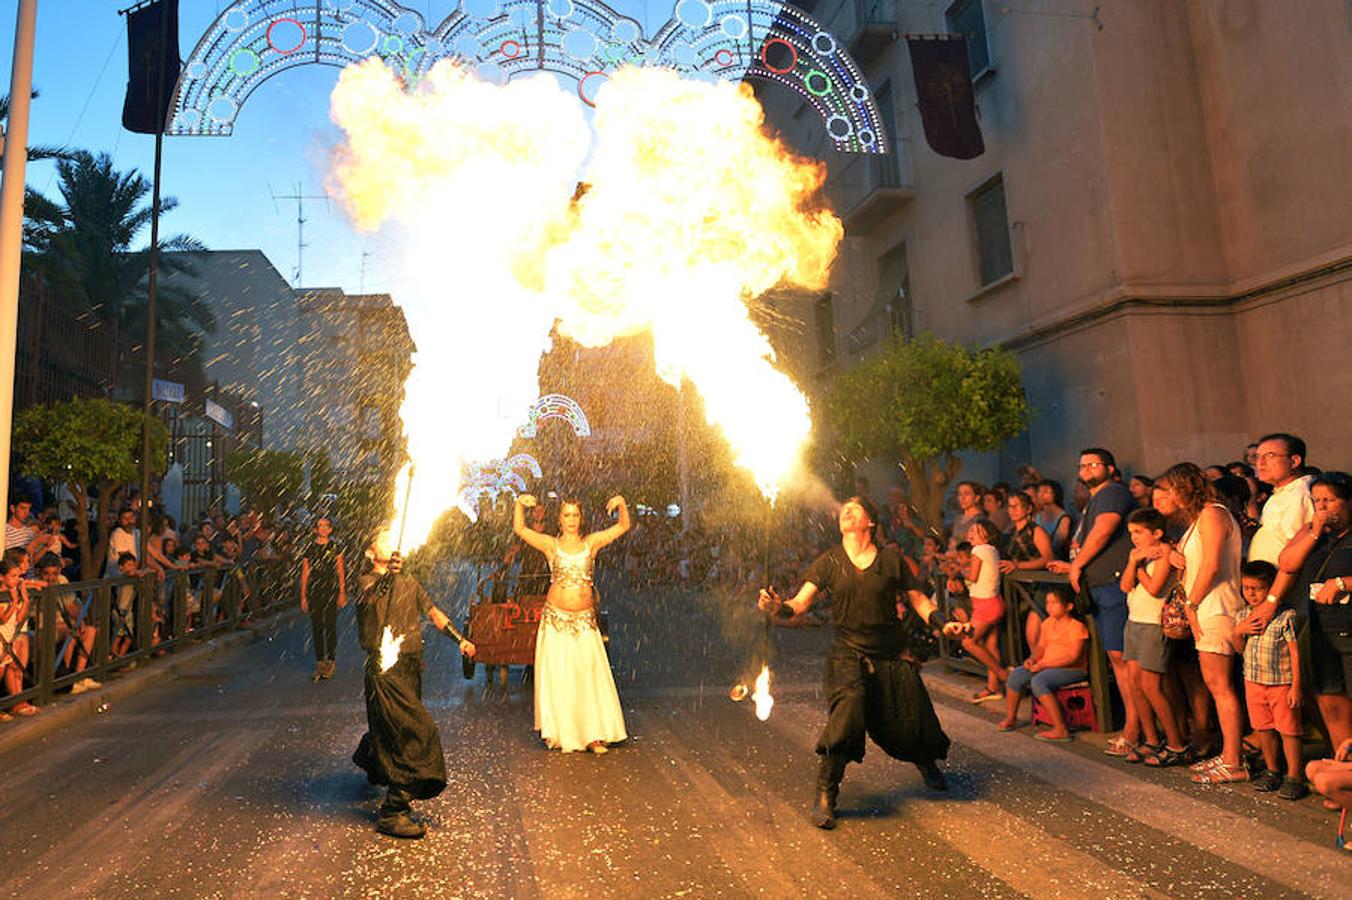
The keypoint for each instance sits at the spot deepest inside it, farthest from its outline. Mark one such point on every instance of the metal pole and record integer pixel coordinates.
(11, 222)
(152, 290)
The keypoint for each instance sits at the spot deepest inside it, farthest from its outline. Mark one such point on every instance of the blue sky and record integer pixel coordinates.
(224, 185)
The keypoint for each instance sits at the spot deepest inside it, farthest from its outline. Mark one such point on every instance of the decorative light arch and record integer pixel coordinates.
(555, 406)
(585, 40)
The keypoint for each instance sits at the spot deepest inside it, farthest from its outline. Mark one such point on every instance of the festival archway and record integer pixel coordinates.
(555, 406)
(584, 40)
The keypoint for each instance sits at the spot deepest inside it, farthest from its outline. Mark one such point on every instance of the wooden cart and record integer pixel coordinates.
(502, 628)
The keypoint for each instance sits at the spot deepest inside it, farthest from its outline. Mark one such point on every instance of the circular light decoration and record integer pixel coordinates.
(556, 406)
(583, 93)
(300, 41)
(581, 40)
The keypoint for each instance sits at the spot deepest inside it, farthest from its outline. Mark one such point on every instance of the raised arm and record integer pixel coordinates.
(538, 540)
(770, 602)
(598, 539)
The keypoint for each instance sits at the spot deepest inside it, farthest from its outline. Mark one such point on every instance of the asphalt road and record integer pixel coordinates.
(235, 780)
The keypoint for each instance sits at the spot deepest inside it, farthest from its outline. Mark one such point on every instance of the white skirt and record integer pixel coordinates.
(575, 698)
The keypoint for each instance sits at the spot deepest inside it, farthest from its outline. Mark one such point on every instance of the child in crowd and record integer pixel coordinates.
(1145, 581)
(1271, 683)
(14, 609)
(1060, 658)
(124, 612)
(982, 577)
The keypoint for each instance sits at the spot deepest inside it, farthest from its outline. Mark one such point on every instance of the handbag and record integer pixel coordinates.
(1174, 616)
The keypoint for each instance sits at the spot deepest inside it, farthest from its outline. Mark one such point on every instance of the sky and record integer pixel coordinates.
(225, 185)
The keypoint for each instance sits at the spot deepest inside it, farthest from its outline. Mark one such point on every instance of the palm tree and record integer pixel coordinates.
(83, 245)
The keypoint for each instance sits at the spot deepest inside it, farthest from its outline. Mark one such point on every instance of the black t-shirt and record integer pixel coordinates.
(1107, 566)
(1330, 558)
(323, 559)
(402, 609)
(864, 603)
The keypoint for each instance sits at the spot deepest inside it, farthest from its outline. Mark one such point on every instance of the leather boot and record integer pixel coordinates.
(830, 769)
(394, 816)
(933, 775)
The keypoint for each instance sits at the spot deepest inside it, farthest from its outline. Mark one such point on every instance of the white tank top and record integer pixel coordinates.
(1224, 598)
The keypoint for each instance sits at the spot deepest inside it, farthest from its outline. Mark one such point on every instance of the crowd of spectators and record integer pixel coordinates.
(41, 551)
(1219, 596)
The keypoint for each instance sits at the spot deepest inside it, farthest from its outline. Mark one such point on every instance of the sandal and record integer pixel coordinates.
(1119, 746)
(1206, 764)
(24, 709)
(1142, 751)
(5, 717)
(1221, 774)
(1012, 726)
(986, 695)
(1166, 757)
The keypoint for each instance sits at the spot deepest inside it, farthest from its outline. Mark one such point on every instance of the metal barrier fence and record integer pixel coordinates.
(110, 622)
(1017, 590)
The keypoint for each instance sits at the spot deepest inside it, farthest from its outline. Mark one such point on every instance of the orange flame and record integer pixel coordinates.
(693, 211)
(761, 696)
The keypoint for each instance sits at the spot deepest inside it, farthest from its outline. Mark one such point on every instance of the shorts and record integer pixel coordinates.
(1216, 631)
(1269, 709)
(987, 610)
(1110, 615)
(1144, 642)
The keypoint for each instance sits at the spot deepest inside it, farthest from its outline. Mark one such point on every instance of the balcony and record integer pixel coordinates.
(871, 26)
(866, 189)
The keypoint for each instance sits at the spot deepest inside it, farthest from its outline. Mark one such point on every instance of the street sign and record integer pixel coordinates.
(219, 414)
(168, 391)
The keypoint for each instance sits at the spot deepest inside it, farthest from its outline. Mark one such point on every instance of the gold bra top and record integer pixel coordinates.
(571, 569)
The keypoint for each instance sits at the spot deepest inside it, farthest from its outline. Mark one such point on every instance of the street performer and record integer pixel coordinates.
(576, 704)
(401, 748)
(869, 687)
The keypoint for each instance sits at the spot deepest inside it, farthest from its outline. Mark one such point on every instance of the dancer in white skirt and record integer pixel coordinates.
(576, 704)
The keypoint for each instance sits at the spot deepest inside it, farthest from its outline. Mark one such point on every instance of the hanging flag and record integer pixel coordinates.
(943, 86)
(152, 54)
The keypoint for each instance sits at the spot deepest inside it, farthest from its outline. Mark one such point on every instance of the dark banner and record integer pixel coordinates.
(152, 54)
(943, 86)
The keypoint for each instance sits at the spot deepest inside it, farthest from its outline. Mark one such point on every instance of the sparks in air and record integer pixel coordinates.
(691, 212)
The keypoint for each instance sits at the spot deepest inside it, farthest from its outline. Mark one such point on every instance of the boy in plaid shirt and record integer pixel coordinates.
(1271, 683)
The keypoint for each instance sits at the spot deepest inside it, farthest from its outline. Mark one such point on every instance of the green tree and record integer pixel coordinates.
(84, 246)
(924, 401)
(94, 446)
(269, 478)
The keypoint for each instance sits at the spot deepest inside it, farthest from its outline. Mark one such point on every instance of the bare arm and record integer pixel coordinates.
(925, 607)
(1065, 658)
(539, 541)
(802, 601)
(440, 621)
(598, 539)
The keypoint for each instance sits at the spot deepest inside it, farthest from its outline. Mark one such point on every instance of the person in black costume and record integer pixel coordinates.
(401, 748)
(870, 687)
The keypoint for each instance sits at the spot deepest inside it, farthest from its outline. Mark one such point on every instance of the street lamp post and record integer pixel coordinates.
(11, 222)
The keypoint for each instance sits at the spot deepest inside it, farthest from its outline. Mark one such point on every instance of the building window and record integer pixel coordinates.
(825, 320)
(966, 17)
(894, 285)
(995, 257)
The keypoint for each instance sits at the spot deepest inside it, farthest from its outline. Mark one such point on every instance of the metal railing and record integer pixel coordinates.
(1017, 589)
(135, 618)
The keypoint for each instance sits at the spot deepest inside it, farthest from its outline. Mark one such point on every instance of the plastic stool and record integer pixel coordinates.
(1077, 705)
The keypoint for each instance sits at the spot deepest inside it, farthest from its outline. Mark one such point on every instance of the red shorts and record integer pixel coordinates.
(987, 609)
(1268, 708)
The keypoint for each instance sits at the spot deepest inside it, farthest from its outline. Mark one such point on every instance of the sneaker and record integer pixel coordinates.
(79, 687)
(1292, 789)
(1267, 781)
(92, 685)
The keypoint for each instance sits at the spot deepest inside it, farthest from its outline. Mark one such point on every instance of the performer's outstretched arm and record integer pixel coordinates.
(770, 602)
(442, 623)
(928, 611)
(540, 541)
(599, 539)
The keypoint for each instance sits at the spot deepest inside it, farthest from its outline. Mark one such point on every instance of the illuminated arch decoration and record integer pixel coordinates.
(499, 476)
(555, 406)
(728, 40)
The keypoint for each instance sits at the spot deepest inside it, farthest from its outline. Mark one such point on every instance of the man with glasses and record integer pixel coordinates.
(1098, 554)
(1280, 459)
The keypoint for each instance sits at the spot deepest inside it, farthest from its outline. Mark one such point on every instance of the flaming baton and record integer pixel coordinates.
(389, 644)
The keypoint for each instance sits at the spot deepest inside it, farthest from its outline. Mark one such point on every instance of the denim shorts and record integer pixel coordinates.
(1110, 615)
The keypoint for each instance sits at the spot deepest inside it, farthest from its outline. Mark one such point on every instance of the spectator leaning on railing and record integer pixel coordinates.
(14, 639)
(1027, 548)
(1098, 555)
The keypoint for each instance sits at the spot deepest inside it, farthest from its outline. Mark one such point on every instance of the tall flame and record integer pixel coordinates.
(691, 212)
(761, 695)
(389, 649)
